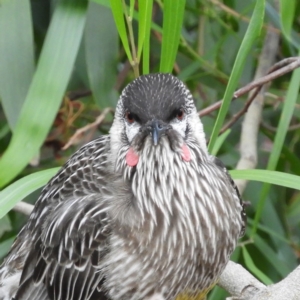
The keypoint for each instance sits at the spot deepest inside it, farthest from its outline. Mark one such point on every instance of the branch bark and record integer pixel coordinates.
(243, 286)
(23, 208)
(238, 282)
(250, 127)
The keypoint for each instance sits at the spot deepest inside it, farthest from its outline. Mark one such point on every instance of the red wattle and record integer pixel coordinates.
(186, 154)
(132, 158)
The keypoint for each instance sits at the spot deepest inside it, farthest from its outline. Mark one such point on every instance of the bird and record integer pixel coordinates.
(142, 213)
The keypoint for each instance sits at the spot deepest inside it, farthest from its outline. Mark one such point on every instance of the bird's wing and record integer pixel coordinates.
(69, 230)
(221, 166)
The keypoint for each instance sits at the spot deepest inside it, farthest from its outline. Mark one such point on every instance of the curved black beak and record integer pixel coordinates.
(157, 128)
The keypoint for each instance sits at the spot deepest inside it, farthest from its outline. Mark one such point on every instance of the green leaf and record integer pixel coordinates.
(105, 3)
(47, 88)
(172, 24)
(271, 177)
(277, 263)
(117, 10)
(145, 16)
(271, 232)
(23, 187)
(131, 8)
(219, 142)
(252, 267)
(17, 56)
(287, 13)
(5, 225)
(251, 34)
(283, 20)
(101, 50)
(4, 131)
(5, 246)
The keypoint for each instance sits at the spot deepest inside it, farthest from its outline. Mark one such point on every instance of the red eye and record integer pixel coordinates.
(180, 114)
(129, 117)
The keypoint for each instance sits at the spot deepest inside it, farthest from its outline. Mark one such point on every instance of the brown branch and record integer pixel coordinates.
(77, 136)
(241, 112)
(23, 208)
(244, 286)
(279, 69)
(75, 95)
(274, 129)
(251, 123)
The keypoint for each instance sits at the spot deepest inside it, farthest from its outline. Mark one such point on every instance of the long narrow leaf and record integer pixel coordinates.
(117, 10)
(145, 15)
(172, 24)
(253, 268)
(47, 88)
(23, 187)
(277, 262)
(17, 56)
(287, 13)
(219, 142)
(5, 246)
(271, 177)
(252, 33)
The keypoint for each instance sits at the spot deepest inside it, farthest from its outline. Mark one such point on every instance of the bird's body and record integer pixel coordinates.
(142, 213)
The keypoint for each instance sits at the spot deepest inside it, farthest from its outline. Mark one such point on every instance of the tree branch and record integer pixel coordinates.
(23, 208)
(238, 281)
(279, 69)
(243, 286)
(250, 127)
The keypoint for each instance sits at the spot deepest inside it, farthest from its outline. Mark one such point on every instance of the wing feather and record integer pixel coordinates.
(69, 228)
(221, 166)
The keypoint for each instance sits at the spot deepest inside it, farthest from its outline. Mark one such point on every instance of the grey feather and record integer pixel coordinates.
(104, 229)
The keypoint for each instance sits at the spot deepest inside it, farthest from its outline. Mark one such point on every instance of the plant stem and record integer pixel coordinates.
(134, 63)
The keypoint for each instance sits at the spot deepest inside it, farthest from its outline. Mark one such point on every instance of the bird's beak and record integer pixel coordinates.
(157, 129)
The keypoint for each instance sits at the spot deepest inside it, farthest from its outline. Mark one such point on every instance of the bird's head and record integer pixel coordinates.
(155, 111)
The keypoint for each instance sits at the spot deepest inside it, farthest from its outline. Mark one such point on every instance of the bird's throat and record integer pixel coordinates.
(132, 158)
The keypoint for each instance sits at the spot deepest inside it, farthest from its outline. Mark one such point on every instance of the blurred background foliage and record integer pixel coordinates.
(63, 64)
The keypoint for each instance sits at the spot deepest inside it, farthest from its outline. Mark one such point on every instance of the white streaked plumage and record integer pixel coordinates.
(103, 229)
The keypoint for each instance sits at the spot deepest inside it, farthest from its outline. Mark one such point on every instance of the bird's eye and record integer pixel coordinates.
(129, 117)
(180, 114)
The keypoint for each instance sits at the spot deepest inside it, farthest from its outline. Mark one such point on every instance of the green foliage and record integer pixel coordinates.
(251, 34)
(145, 15)
(21, 67)
(172, 24)
(18, 190)
(71, 49)
(47, 87)
(117, 10)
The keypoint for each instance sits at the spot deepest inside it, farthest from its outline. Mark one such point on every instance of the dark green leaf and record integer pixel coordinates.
(271, 177)
(145, 16)
(23, 187)
(17, 56)
(117, 10)
(172, 24)
(251, 34)
(47, 88)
